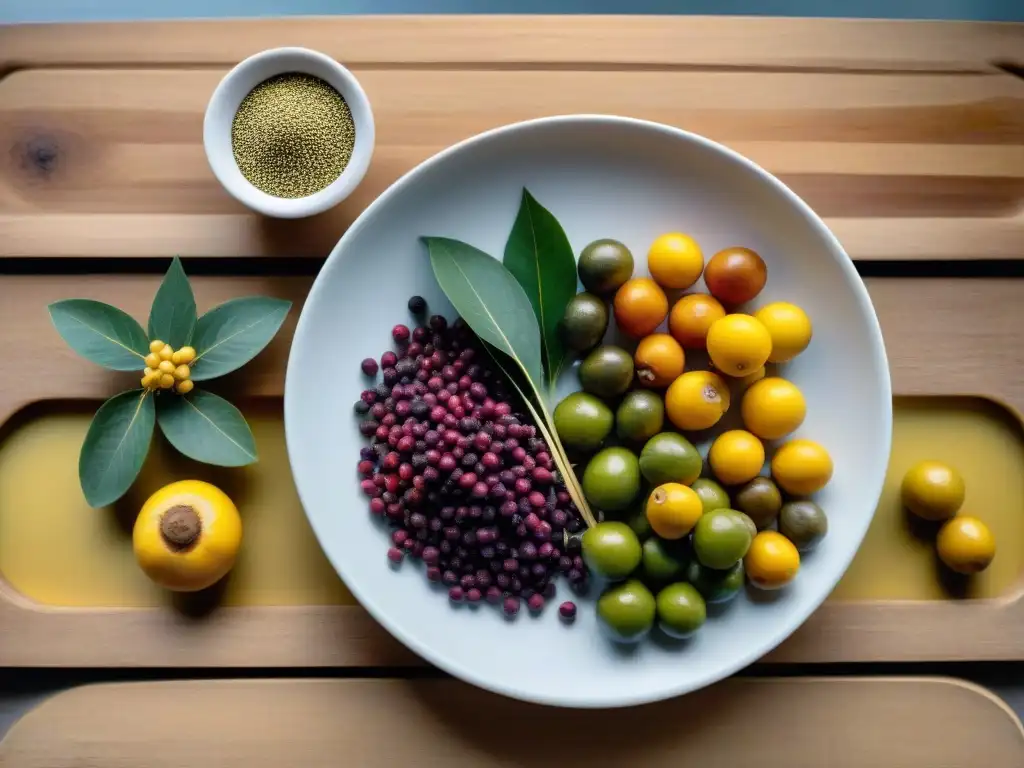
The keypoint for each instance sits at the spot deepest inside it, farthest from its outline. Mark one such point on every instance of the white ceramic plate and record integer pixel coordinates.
(602, 177)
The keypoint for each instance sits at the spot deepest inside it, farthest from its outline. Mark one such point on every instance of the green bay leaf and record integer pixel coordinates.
(207, 428)
(230, 335)
(540, 257)
(172, 318)
(488, 297)
(115, 446)
(101, 333)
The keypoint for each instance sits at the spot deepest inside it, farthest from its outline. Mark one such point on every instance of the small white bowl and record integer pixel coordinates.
(228, 96)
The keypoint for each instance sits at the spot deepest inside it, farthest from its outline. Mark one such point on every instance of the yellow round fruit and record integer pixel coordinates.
(697, 400)
(675, 261)
(691, 317)
(738, 344)
(789, 328)
(772, 408)
(933, 490)
(673, 509)
(966, 545)
(772, 560)
(640, 306)
(736, 457)
(659, 360)
(187, 535)
(801, 467)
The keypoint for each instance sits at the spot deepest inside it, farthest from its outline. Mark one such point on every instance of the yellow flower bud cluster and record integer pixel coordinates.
(167, 368)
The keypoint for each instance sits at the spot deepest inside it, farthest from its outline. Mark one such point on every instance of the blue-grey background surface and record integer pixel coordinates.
(89, 10)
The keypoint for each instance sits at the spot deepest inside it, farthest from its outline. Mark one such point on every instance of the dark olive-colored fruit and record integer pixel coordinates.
(716, 586)
(611, 480)
(626, 611)
(607, 371)
(804, 523)
(636, 518)
(681, 610)
(604, 266)
(640, 415)
(761, 500)
(670, 458)
(712, 495)
(583, 421)
(721, 538)
(663, 562)
(611, 550)
(585, 321)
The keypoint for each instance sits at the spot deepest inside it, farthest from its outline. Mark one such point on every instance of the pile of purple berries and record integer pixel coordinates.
(461, 476)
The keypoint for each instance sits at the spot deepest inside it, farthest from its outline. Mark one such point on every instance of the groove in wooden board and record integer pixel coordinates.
(943, 336)
(660, 41)
(818, 721)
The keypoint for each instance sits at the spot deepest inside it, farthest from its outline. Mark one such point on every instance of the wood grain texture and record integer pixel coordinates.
(817, 721)
(888, 129)
(943, 336)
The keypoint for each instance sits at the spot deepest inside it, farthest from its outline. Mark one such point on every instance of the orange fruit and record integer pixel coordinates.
(772, 408)
(691, 318)
(672, 510)
(801, 467)
(640, 307)
(789, 327)
(736, 457)
(697, 400)
(735, 275)
(738, 345)
(675, 261)
(659, 360)
(772, 560)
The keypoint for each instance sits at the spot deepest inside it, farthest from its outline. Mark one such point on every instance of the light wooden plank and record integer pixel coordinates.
(661, 41)
(818, 721)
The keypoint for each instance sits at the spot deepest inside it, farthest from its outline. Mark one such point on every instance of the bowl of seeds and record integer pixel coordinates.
(289, 132)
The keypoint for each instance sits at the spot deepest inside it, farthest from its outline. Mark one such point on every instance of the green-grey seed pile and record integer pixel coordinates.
(292, 135)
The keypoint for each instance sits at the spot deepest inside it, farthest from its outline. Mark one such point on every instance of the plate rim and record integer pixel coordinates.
(766, 644)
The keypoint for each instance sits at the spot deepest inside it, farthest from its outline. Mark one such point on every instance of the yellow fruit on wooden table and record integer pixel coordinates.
(692, 316)
(801, 467)
(772, 408)
(772, 560)
(659, 360)
(673, 509)
(966, 545)
(187, 535)
(697, 400)
(933, 490)
(789, 327)
(736, 457)
(738, 344)
(640, 306)
(675, 260)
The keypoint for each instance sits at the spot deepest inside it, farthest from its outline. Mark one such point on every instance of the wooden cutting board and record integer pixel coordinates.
(742, 723)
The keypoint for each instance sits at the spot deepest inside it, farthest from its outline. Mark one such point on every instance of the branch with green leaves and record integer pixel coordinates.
(516, 308)
(177, 349)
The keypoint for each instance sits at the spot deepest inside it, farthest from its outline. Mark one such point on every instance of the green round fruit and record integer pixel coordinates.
(804, 523)
(681, 610)
(669, 457)
(626, 611)
(716, 586)
(712, 495)
(636, 518)
(611, 480)
(721, 538)
(760, 500)
(605, 265)
(662, 562)
(583, 421)
(611, 550)
(640, 415)
(585, 322)
(607, 371)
